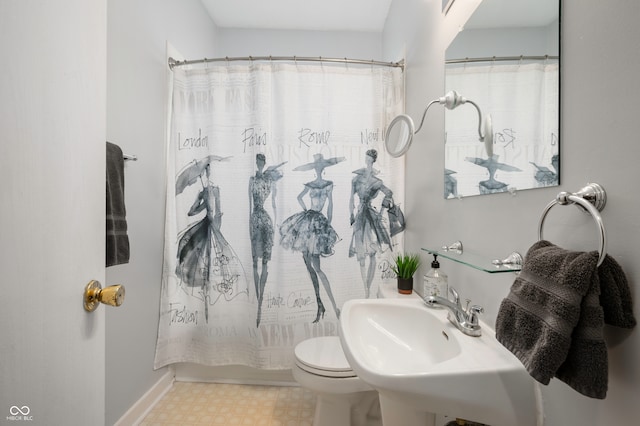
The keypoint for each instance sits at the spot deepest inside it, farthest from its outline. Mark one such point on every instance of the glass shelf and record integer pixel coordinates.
(473, 260)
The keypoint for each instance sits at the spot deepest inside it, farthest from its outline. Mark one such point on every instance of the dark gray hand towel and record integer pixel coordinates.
(117, 247)
(607, 302)
(586, 366)
(615, 295)
(553, 318)
(535, 321)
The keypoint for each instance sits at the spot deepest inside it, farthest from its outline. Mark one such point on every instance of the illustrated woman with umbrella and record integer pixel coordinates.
(206, 261)
(310, 232)
(261, 230)
(370, 236)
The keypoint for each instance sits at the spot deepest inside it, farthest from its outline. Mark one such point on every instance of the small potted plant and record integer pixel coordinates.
(405, 265)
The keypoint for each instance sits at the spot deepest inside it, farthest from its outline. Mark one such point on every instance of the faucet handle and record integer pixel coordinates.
(456, 297)
(473, 312)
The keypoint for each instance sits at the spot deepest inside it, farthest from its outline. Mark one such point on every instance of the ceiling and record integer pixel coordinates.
(324, 15)
(362, 15)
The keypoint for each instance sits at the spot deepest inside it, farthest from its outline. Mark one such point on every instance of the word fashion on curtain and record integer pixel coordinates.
(281, 205)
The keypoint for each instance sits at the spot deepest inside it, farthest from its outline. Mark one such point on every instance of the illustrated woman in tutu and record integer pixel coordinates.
(310, 232)
(261, 229)
(370, 235)
(206, 261)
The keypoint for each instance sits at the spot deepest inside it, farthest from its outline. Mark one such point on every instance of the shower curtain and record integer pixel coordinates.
(281, 204)
(523, 101)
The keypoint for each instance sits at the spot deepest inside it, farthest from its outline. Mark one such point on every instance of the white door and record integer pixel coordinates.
(52, 210)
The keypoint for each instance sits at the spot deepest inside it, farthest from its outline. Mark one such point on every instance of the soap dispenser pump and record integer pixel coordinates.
(435, 281)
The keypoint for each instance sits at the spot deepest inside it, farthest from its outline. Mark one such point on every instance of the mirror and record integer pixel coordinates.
(507, 60)
(399, 135)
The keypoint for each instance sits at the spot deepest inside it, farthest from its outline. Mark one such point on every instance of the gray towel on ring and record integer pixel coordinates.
(553, 316)
(117, 240)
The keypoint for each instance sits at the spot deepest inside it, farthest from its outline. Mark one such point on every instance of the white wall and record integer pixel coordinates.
(136, 65)
(598, 144)
(339, 44)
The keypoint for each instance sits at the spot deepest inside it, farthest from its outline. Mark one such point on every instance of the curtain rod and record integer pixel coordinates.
(500, 58)
(175, 63)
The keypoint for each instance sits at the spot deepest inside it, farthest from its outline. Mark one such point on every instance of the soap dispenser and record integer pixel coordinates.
(435, 281)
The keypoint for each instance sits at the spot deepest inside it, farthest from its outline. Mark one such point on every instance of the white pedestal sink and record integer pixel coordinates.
(421, 364)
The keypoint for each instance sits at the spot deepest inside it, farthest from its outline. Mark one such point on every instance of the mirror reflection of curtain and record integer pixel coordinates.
(260, 166)
(523, 101)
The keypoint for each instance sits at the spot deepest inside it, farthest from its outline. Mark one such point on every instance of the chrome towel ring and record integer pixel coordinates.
(591, 198)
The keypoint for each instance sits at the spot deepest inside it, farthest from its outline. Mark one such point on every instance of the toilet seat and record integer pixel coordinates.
(323, 356)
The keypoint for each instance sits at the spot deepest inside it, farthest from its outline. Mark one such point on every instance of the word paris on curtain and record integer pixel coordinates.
(281, 205)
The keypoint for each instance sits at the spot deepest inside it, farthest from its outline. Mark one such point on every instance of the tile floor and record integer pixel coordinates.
(229, 404)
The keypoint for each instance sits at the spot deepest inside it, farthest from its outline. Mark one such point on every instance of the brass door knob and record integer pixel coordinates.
(94, 294)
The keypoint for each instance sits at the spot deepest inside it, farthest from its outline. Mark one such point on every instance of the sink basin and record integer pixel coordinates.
(421, 363)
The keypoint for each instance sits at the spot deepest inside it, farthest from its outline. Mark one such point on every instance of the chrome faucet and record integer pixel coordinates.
(466, 320)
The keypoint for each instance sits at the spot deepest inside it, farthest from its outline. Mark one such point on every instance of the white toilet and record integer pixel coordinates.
(342, 398)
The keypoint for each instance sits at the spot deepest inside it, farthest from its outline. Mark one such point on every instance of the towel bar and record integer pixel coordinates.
(591, 198)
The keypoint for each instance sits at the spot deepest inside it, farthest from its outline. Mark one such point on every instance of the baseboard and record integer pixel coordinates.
(143, 406)
(238, 381)
(237, 374)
